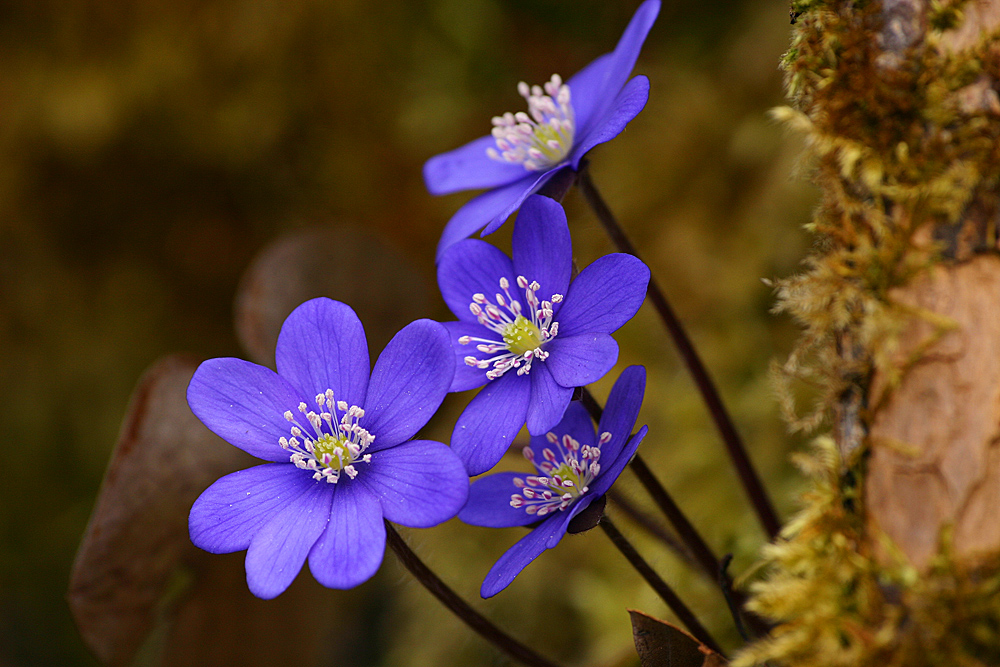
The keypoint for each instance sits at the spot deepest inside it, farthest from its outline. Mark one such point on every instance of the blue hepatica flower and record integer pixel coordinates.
(339, 443)
(573, 467)
(525, 150)
(526, 332)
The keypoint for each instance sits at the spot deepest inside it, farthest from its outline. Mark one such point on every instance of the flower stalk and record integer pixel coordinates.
(662, 588)
(696, 546)
(472, 618)
(720, 416)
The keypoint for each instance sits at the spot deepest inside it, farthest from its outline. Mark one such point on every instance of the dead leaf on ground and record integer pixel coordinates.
(662, 644)
(141, 593)
(137, 532)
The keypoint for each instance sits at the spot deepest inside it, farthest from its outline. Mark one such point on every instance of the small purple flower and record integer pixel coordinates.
(526, 332)
(340, 447)
(573, 467)
(525, 150)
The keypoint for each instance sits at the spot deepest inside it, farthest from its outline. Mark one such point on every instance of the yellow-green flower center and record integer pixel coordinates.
(332, 452)
(541, 138)
(522, 335)
(565, 472)
(329, 442)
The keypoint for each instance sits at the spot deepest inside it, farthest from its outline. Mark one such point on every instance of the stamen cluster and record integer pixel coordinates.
(566, 475)
(332, 442)
(540, 138)
(521, 339)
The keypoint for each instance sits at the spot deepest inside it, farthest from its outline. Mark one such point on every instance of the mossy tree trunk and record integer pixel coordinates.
(896, 558)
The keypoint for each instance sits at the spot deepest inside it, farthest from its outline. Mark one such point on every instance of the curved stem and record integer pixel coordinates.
(460, 607)
(661, 587)
(685, 529)
(651, 526)
(734, 445)
(692, 539)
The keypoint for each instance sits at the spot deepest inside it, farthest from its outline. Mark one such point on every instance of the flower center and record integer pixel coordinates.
(521, 335)
(520, 339)
(541, 138)
(566, 474)
(332, 442)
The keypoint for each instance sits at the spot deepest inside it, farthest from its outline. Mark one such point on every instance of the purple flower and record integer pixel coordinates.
(340, 447)
(573, 467)
(564, 121)
(526, 332)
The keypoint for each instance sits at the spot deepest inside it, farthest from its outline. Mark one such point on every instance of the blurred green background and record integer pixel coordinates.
(149, 149)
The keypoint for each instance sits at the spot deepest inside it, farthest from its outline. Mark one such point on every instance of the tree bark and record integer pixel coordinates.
(895, 559)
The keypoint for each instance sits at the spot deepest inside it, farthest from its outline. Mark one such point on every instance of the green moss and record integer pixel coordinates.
(893, 152)
(901, 157)
(945, 14)
(836, 607)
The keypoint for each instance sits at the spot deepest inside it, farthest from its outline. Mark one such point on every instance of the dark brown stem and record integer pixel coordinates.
(692, 539)
(651, 526)
(734, 445)
(725, 583)
(689, 535)
(460, 607)
(661, 587)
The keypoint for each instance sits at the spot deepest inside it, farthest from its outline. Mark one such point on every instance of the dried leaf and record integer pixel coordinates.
(661, 644)
(137, 533)
(346, 264)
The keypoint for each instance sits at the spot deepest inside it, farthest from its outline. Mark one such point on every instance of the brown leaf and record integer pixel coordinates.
(137, 532)
(661, 644)
(346, 264)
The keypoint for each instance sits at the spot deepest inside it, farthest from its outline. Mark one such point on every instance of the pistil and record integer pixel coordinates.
(541, 138)
(566, 473)
(332, 442)
(522, 332)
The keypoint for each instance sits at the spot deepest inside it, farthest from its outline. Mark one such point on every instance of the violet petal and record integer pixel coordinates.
(244, 404)
(489, 423)
(420, 483)
(408, 383)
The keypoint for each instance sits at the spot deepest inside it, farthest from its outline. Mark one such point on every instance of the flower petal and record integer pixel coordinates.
(409, 381)
(527, 549)
(483, 209)
(466, 377)
(229, 513)
(548, 399)
(350, 551)
(609, 473)
(586, 88)
(322, 346)
(616, 69)
(489, 423)
(536, 185)
(469, 168)
(627, 105)
(578, 360)
(420, 483)
(622, 409)
(542, 248)
(280, 547)
(604, 296)
(244, 404)
(489, 502)
(491, 209)
(575, 422)
(470, 267)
